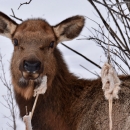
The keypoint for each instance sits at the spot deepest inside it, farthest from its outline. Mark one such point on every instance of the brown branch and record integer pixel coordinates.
(110, 8)
(113, 34)
(117, 26)
(24, 4)
(120, 67)
(124, 20)
(102, 33)
(128, 4)
(121, 54)
(90, 71)
(82, 56)
(15, 16)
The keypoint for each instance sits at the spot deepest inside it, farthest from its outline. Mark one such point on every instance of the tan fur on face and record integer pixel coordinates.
(31, 34)
(35, 33)
(34, 76)
(27, 93)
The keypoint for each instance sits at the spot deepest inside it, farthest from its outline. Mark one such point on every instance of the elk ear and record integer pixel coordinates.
(7, 25)
(69, 28)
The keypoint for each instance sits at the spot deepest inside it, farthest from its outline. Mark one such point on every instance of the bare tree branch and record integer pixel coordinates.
(99, 2)
(9, 99)
(15, 16)
(119, 42)
(90, 71)
(82, 56)
(127, 3)
(24, 4)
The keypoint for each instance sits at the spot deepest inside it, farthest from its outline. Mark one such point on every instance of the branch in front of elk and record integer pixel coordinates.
(82, 56)
(119, 40)
(96, 74)
(116, 52)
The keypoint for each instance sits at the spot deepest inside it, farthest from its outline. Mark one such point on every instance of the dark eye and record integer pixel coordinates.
(15, 42)
(51, 44)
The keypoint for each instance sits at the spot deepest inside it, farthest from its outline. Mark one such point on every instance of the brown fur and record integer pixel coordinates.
(69, 103)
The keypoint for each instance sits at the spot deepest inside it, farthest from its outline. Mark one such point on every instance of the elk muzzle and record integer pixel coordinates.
(30, 69)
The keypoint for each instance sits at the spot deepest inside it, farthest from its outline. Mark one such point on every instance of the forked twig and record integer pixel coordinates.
(15, 16)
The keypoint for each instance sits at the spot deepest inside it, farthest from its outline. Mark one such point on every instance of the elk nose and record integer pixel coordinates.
(32, 66)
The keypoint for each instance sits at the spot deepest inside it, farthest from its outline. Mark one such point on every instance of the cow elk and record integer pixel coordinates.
(69, 103)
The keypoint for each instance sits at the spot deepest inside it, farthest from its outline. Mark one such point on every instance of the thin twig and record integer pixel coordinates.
(82, 56)
(110, 8)
(24, 4)
(90, 71)
(9, 99)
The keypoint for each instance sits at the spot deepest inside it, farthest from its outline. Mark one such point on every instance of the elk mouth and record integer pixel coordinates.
(31, 70)
(30, 76)
(25, 79)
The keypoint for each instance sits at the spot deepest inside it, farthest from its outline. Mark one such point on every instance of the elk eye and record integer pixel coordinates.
(51, 44)
(15, 42)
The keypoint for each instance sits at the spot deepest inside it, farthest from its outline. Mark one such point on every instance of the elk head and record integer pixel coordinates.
(34, 42)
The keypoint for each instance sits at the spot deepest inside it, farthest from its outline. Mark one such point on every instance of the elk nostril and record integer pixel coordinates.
(25, 64)
(32, 66)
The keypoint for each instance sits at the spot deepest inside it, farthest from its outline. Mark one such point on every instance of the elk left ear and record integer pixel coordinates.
(69, 28)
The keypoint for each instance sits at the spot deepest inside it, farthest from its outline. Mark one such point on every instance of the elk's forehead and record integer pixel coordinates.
(34, 26)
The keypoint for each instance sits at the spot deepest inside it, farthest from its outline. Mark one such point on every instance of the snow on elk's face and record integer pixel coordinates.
(34, 41)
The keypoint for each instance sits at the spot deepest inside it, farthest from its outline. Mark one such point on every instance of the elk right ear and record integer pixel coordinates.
(69, 28)
(7, 25)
